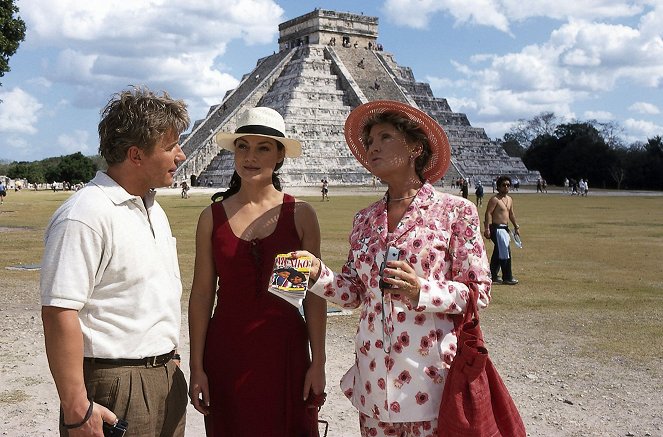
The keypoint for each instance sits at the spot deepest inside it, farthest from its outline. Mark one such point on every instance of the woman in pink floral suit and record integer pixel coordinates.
(405, 341)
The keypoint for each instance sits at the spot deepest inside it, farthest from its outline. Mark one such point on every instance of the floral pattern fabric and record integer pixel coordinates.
(370, 427)
(403, 349)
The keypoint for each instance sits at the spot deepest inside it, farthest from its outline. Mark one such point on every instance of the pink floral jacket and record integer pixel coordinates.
(401, 362)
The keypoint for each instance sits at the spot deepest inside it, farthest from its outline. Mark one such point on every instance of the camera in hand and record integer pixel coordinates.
(116, 430)
(392, 254)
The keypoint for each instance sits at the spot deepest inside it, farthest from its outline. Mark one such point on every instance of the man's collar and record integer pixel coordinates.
(115, 192)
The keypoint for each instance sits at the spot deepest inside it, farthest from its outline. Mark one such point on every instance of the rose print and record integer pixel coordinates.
(381, 383)
(422, 398)
(372, 365)
(376, 412)
(390, 430)
(419, 319)
(425, 346)
(367, 386)
(401, 317)
(395, 407)
(404, 338)
(403, 378)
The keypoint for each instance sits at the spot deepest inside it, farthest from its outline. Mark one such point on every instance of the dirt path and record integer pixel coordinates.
(559, 392)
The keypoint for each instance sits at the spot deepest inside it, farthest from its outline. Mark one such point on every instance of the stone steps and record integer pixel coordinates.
(315, 87)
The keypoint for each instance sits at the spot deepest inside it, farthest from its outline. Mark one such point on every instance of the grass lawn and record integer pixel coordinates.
(590, 267)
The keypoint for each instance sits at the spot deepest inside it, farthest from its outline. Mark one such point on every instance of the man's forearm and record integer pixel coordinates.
(64, 349)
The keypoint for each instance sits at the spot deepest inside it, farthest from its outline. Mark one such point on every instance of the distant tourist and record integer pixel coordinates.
(479, 193)
(496, 227)
(464, 188)
(3, 192)
(361, 63)
(325, 190)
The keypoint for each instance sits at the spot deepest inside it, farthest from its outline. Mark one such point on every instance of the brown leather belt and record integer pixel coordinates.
(156, 361)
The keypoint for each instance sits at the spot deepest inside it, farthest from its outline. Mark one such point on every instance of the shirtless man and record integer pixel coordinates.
(498, 213)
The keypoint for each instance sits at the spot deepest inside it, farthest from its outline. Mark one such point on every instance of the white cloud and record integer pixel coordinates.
(581, 60)
(563, 9)
(598, 115)
(644, 108)
(15, 148)
(76, 141)
(418, 13)
(19, 112)
(40, 82)
(462, 104)
(500, 14)
(101, 47)
(643, 128)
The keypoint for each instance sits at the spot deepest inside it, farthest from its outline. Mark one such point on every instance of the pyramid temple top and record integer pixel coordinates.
(329, 27)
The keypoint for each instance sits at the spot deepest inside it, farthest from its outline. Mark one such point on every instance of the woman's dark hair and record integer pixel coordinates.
(236, 182)
(412, 131)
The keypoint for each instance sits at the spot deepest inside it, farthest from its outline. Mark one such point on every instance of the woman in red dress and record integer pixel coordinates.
(251, 373)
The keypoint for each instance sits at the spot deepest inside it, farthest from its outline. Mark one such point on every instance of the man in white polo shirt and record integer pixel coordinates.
(110, 279)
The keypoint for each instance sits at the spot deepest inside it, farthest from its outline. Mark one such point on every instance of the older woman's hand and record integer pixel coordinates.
(316, 265)
(402, 276)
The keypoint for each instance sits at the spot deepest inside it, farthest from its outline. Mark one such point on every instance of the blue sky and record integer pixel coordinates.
(495, 60)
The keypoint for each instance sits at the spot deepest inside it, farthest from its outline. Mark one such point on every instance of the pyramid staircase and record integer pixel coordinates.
(315, 87)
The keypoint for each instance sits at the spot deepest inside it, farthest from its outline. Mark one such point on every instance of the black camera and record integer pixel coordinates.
(392, 254)
(116, 430)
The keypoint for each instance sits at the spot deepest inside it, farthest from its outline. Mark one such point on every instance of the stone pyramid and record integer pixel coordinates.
(327, 64)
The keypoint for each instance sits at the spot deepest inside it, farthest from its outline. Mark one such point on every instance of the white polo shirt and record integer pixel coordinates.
(114, 259)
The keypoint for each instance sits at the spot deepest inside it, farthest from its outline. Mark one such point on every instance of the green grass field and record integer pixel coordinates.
(590, 267)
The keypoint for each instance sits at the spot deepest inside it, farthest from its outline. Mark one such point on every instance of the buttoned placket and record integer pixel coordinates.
(145, 214)
(387, 239)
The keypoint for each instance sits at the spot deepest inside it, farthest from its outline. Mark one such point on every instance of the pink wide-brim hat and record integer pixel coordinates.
(439, 143)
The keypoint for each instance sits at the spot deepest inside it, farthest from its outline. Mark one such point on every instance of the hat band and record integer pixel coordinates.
(258, 129)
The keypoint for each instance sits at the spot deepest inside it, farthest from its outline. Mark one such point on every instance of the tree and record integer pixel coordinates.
(541, 156)
(525, 131)
(76, 168)
(584, 154)
(511, 146)
(12, 32)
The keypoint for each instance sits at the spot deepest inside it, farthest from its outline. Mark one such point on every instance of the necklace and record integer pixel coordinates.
(401, 198)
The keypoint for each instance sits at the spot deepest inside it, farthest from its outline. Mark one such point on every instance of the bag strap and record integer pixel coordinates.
(471, 311)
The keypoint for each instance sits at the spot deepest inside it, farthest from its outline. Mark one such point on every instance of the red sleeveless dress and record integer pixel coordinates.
(257, 350)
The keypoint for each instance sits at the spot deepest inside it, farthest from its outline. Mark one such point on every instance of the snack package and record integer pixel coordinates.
(290, 278)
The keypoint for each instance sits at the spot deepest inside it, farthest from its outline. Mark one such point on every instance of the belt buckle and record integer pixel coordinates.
(152, 362)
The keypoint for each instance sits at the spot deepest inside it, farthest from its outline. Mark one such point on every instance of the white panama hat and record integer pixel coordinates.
(264, 122)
